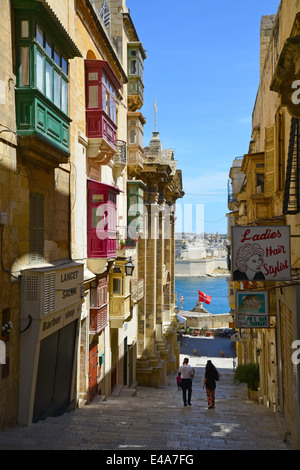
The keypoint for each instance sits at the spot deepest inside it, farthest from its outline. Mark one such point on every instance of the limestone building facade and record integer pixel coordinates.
(74, 181)
(264, 194)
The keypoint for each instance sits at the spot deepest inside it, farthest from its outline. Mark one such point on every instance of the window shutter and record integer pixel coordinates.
(36, 228)
(269, 161)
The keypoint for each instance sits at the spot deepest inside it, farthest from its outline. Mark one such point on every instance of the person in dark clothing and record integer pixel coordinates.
(211, 376)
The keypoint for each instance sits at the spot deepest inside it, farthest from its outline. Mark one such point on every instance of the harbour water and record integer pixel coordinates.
(216, 287)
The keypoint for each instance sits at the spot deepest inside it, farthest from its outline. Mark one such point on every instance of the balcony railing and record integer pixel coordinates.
(135, 157)
(126, 237)
(120, 157)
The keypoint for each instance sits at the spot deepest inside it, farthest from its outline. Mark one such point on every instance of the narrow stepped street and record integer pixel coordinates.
(155, 419)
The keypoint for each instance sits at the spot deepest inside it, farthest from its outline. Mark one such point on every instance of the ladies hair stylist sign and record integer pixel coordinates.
(261, 253)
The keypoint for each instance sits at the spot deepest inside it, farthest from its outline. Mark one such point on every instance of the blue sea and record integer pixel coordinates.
(216, 287)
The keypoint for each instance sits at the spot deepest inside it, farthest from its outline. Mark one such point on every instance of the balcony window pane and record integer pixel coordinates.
(113, 105)
(24, 72)
(132, 67)
(39, 35)
(56, 89)
(48, 80)
(132, 136)
(25, 29)
(132, 209)
(141, 139)
(93, 96)
(64, 66)
(93, 298)
(49, 48)
(56, 57)
(64, 96)
(39, 71)
(117, 286)
(141, 72)
(103, 97)
(260, 183)
(97, 217)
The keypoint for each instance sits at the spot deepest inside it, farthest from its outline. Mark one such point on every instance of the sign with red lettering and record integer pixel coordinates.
(261, 253)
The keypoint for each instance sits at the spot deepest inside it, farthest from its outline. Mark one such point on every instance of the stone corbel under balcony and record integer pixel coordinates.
(119, 160)
(39, 152)
(286, 74)
(100, 265)
(100, 150)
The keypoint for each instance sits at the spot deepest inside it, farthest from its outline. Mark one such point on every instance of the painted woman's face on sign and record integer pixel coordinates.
(255, 263)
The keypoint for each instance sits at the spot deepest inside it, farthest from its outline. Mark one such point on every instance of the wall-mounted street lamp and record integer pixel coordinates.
(129, 267)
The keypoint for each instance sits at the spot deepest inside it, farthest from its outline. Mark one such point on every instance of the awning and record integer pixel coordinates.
(180, 319)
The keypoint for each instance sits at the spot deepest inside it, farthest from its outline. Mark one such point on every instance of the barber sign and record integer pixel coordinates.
(261, 253)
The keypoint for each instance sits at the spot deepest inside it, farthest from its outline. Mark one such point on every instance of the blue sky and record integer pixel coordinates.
(202, 68)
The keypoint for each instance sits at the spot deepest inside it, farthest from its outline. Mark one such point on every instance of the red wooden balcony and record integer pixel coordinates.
(102, 220)
(101, 105)
(98, 319)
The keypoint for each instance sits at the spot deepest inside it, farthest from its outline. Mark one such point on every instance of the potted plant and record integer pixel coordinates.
(249, 374)
(6, 331)
(204, 330)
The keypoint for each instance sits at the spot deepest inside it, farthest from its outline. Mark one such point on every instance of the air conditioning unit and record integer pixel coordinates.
(48, 290)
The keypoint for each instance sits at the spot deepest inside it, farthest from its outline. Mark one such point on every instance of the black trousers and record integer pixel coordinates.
(186, 385)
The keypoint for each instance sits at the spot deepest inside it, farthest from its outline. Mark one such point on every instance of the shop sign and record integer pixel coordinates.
(252, 309)
(261, 253)
(68, 284)
(58, 320)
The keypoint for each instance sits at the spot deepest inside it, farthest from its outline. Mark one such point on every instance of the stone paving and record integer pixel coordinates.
(155, 419)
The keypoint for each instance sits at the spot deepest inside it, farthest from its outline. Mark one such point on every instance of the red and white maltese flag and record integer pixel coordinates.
(204, 298)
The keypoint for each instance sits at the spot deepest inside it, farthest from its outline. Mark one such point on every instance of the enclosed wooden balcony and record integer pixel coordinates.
(136, 56)
(119, 295)
(102, 220)
(101, 105)
(119, 310)
(98, 319)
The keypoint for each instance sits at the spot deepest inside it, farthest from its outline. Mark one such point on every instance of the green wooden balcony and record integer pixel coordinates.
(43, 128)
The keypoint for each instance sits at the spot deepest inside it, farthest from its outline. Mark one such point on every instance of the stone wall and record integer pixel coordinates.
(194, 320)
(199, 267)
